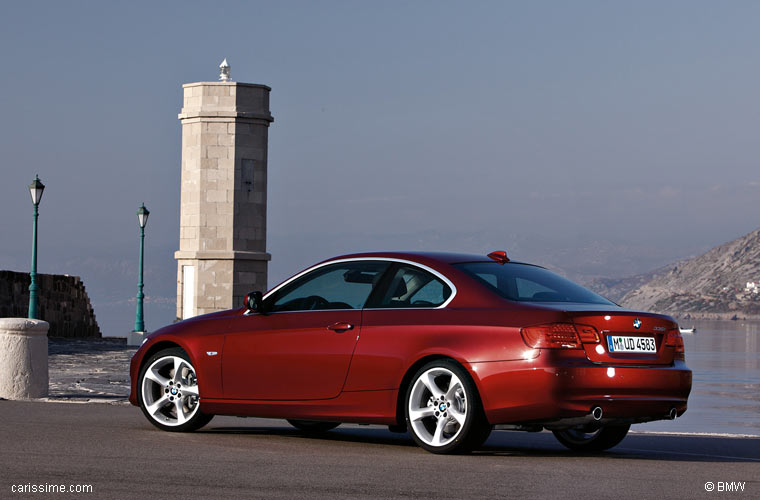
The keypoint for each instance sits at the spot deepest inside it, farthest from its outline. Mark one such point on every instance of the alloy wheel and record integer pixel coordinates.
(438, 407)
(170, 391)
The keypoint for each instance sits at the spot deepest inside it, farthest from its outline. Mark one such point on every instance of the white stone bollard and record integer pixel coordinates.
(23, 358)
(135, 338)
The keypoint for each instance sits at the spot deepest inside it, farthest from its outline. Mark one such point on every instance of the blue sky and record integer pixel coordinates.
(546, 128)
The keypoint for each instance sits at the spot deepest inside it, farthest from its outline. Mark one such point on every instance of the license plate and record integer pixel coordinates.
(616, 343)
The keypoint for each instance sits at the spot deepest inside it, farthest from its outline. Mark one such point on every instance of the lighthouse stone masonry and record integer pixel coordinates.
(222, 247)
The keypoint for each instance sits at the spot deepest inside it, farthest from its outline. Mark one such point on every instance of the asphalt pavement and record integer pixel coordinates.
(115, 451)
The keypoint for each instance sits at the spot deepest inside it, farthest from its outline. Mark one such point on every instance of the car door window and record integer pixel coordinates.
(414, 287)
(344, 285)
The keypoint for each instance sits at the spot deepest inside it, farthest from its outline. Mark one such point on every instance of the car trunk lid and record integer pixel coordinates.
(626, 337)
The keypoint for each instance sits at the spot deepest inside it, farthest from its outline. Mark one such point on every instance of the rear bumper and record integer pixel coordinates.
(564, 386)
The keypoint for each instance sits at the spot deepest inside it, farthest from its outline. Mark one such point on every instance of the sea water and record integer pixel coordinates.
(724, 357)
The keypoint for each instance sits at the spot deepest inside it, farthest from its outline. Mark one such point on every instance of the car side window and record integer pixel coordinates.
(345, 285)
(412, 287)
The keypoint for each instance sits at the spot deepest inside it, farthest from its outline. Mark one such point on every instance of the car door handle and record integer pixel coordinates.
(340, 327)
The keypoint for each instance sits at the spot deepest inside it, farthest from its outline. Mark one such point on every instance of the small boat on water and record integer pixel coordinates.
(688, 330)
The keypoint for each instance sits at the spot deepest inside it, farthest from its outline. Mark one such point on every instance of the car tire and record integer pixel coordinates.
(601, 439)
(443, 410)
(313, 426)
(168, 392)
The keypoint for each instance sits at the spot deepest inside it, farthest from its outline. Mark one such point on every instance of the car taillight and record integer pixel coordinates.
(674, 340)
(587, 334)
(559, 336)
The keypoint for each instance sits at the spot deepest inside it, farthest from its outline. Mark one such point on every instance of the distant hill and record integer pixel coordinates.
(617, 288)
(712, 284)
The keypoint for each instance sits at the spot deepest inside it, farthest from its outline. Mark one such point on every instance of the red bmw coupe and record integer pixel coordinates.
(446, 346)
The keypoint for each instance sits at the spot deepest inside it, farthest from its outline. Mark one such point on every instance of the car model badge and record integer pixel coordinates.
(637, 323)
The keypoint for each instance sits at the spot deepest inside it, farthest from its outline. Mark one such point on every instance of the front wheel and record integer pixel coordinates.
(169, 392)
(599, 439)
(443, 410)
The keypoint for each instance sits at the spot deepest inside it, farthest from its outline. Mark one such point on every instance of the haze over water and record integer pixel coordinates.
(724, 357)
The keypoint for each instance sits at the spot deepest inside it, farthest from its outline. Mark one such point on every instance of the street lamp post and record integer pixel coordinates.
(142, 219)
(35, 189)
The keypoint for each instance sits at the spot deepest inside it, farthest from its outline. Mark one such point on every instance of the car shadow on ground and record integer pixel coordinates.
(541, 444)
(369, 435)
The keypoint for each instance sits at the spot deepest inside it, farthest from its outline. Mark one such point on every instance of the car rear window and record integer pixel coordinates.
(526, 283)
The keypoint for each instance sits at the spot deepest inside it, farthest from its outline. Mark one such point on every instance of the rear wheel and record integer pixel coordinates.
(313, 426)
(600, 439)
(443, 410)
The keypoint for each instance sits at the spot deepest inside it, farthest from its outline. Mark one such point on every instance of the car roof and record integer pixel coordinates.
(422, 257)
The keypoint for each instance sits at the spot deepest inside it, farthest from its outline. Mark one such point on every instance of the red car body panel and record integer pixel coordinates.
(291, 365)
(553, 387)
(289, 356)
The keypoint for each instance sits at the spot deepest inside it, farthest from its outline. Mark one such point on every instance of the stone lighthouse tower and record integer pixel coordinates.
(222, 246)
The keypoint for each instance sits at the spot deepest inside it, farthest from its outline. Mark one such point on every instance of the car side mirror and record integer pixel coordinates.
(254, 302)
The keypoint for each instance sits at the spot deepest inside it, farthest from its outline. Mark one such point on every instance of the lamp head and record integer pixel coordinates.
(35, 189)
(142, 215)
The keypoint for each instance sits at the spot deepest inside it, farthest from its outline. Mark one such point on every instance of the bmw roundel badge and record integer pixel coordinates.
(637, 323)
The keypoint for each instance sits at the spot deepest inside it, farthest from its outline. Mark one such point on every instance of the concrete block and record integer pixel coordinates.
(224, 209)
(225, 232)
(191, 220)
(190, 211)
(226, 139)
(216, 152)
(228, 102)
(227, 164)
(215, 127)
(216, 290)
(204, 302)
(135, 338)
(215, 195)
(191, 196)
(23, 358)
(213, 244)
(248, 278)
(188, 244)
(209, 101)
(225, 185)
(206, 232)
(214, 220)
(209, 139)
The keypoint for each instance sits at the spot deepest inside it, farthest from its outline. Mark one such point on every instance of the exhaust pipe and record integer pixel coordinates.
(596, 413)
(672, 414)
